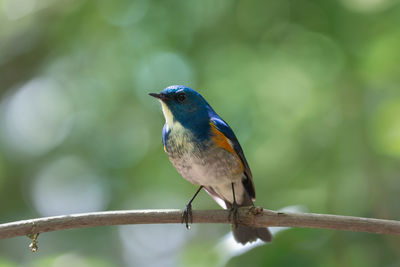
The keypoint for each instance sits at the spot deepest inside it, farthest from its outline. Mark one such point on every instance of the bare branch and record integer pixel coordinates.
(248, 216)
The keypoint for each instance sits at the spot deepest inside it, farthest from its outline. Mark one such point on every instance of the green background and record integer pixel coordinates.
(310, 87)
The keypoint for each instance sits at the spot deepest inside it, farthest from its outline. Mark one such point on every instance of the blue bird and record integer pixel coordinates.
(206, 152)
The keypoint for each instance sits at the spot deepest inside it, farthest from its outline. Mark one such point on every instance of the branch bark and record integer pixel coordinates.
(253, 216)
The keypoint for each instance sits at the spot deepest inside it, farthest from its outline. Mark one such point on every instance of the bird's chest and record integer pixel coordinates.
(200, 161)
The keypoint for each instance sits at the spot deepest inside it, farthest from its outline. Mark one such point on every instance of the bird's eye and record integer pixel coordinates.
(181, 97)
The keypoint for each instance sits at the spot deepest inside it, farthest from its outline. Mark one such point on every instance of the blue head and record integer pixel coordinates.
(184, 106)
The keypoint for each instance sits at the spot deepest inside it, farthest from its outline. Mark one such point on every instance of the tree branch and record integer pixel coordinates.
(253, 216)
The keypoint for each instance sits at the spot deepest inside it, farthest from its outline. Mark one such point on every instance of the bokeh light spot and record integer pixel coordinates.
(68, 185)
(160, 70)
(15, 9)
(36, 118)
(152, 245)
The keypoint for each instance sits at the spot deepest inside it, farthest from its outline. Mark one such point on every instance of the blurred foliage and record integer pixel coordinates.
(310, 87)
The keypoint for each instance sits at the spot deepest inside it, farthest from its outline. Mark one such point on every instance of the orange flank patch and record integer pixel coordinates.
(220, 139)
(165, 149)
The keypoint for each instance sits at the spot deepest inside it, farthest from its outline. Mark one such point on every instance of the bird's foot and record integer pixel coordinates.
(234, 215)
(187, 216)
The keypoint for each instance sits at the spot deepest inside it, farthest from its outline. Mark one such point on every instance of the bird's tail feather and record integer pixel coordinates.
(244, 234)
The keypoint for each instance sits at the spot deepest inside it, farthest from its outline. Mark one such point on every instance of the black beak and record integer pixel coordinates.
(158, 96)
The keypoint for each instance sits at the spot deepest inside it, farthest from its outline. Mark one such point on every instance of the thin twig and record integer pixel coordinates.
(255, 216)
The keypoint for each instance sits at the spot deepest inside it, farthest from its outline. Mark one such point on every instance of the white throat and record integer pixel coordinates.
(169, 118)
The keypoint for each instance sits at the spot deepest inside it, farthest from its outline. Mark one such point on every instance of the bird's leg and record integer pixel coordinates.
(233, 212)
(187, 213)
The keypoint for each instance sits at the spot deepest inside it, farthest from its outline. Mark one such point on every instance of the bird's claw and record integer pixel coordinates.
(187, 216)
(234, 215)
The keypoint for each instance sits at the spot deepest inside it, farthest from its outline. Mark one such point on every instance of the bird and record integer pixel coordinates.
(205, 151)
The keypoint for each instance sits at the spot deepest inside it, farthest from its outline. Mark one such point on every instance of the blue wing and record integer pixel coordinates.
(224, 128)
